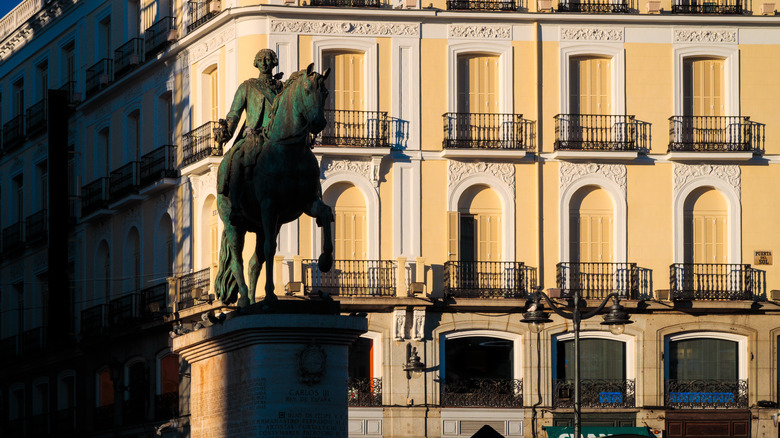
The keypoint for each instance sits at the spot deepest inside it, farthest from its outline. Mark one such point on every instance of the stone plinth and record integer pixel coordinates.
(271, 375)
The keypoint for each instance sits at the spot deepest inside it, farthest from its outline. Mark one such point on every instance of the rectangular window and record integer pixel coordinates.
(346, 81)
(19, 197)
(214, 81)
(589, 87)
(477, 84)
(42, 77)
(703, 87)
(350, 234)
(43, 177)
(18, 97)
(104, 39)
(19, 291)
(69, 62)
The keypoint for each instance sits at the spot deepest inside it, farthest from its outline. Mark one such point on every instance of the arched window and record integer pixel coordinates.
(166, 403)
(133, 136)
(706, 230)
(478, 225)
(350, 221)
(365, 364)
(164, 249)
(165, 124)
(591, 222)
(132, 262)
(102, 273)
(105, 389)
(137, 394)
(209, 232)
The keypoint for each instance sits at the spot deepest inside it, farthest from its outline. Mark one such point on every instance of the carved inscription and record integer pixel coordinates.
(303, 424)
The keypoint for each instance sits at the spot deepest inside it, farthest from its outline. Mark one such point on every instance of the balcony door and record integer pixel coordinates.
(703, 87)
(350, 221)
(347, 95)
(705, 231)
(589, 89)
(477, 94)
(592, 226)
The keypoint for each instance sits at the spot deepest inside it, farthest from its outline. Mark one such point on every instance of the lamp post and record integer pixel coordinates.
(616, 320)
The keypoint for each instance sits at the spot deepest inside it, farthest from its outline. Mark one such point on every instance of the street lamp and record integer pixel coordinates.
(616, 320)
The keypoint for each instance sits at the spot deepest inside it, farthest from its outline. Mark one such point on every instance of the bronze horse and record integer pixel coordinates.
(284, 185)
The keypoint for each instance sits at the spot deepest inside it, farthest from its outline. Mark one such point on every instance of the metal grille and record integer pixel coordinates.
(70, 88)
(201, 12)
(710, 134)
(487, 393)
(703, 393)
(94, 195)
(595, 393)
(590, 132)
(124, 309)
(166, 406)
(36, 118)
(355, 128)
(124, 181)
(13, 236)
(596, 280)
(159, 35)
(488, 279)
(155, 301)
(733, 7)
(595, 7)
(13, 133)
(92, 319)
(193, 287)
(364, 392)
(351, 278)
(347, 3)
(158, 164)
(488, 131)
(99, 76)
(127, 57)
(199, 144)
(711, 281)
(481, 5)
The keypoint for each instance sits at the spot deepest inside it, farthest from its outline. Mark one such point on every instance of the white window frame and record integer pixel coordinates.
(628, 340)
(370, 197)
(617, 55)
(368, 47)
(61, 402)
(730, 56)
(502, 49)
(742, 348)
(517, 340)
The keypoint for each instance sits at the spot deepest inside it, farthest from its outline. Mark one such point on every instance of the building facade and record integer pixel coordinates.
(476, 153)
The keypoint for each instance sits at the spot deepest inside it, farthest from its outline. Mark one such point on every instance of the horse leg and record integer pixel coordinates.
(324, 215)
(235, 241)
(270, 230)
(255, 265)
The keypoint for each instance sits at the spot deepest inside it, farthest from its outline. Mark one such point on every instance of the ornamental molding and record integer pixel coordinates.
(164, 204)
(418, 324)
(591, 34)
(26, 20)
(368, 169)
(204, 184)
(399, 324)
(344, 28)
(200, 50)
(705, 36)
(571, 172)
(459, 170)
(482, 31)
(730, 174)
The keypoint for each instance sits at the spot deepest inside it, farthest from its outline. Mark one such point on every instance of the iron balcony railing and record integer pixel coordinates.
(355, 128)
(481, 5)
(36, 118)
(488, 131)
(94, 196)
(8, 348)
(592, 132)
(166, 406)
(711, 134)
(348, 3)
(159, 164)
(73, 95)
(124, 181)
(351, 278)
(124, 310)
(33, 341)
(13, 133)
(13, 237)
(93, 320)
(159, 35)
(475, 279)
(712, 281)
(482, 393)
(154, 302)
(99, 76)
(720, 7)
(194, 288)
(364, 392)
(201, 12)
(133, 411)
(199, 144)
(595, 6)
(127, 57)
(36, 226)
(596, 280)
(103, 416)
(595, 393)
(705, 393)
(65, 421)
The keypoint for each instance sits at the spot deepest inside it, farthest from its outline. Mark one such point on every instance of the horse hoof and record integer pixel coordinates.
(243, 302)
(325, 262)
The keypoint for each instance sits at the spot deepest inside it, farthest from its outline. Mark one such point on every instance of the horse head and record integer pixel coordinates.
(312, 98)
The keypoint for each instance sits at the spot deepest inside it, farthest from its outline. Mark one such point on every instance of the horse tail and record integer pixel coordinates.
(224, 283)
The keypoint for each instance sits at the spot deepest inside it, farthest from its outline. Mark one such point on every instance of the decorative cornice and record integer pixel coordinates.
(482, 31)
(202, 49)
(368, 169)
(705, 36)
(203, 184)
(570, 172)
(503, 171)
(591, 34)
(344, 28)
(26, 20)
(728, 173)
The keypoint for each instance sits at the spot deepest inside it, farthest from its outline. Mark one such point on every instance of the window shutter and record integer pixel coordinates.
(453, 235)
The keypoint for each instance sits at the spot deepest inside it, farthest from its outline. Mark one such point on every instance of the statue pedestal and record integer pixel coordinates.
(270, 375)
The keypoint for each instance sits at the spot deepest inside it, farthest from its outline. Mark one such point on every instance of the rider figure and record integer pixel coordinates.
(255, 96)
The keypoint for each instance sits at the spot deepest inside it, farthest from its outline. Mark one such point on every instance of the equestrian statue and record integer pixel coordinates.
(270, 176)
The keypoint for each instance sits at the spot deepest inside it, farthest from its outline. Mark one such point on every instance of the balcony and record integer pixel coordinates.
(124, 310)
(13, 133)
(93, 320)
(596, 280)
(714, 134)
(355, 278)
(36, 118)
(103, 416)
(201, 12)
(362, 129)
(482, 393)
(33, 341)
(481, 5)
(38, 425)
(199, 144)
(706, 394)
(124, 181)
(154, 301)
(73, 96)
(13, 237)
(722, 7)
(65, 421)
(158, 165)
(595, 393)
(488, 131)
(595, 6)
(94, 196)
(166, 406)
(471, 279)
(99, 76)
(8, 348)
(348, 3)
(127, 57)
(712, 282)
(591, 132)
(364, 392)
(133, 411)
(194, 289)
(159, 35)
(37, 226)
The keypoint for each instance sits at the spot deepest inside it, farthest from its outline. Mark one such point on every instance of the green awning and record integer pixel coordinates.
(596, 432)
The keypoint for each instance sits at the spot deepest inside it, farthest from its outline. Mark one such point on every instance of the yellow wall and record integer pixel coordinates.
(433, 62)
